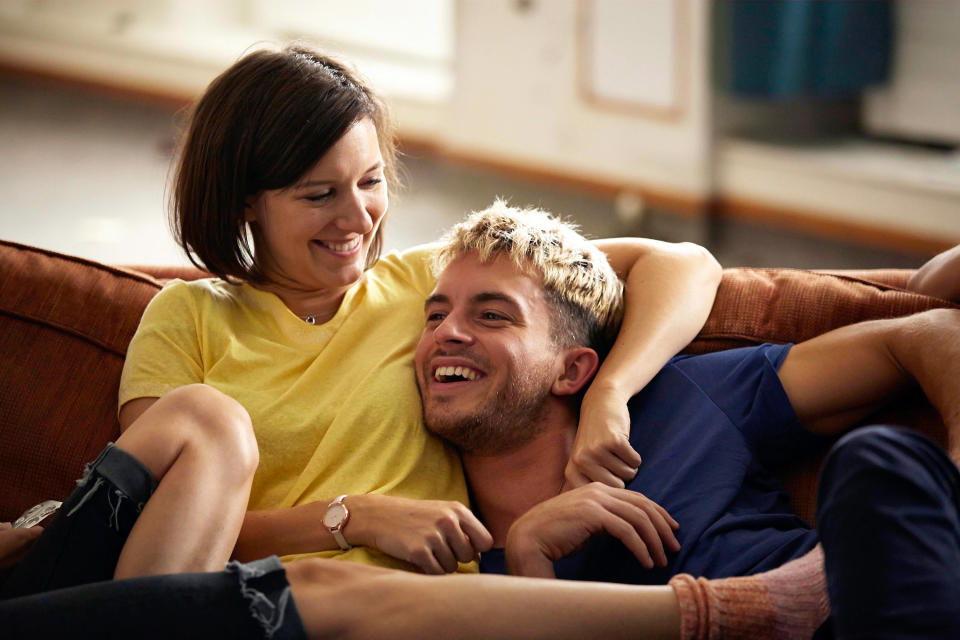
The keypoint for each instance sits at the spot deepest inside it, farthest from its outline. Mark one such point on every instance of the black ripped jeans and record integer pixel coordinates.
(64, 586)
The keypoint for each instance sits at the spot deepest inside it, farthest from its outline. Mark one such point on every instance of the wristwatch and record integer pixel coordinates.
(336, 519)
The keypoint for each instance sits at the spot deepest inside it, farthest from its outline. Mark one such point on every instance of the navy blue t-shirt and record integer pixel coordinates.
(709, 428)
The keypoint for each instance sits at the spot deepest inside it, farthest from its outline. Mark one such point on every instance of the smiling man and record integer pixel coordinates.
(515, 329)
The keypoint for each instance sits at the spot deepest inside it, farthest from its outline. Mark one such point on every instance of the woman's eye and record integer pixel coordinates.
(372, 182)
(435, 316)
(320, 197)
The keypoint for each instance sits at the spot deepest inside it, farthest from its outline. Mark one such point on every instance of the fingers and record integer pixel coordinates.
(437, 535)
(480, 539)
(662, 521)
(627, 532)
(673, 523)
(628, 455)
(641, 524)
(612, 462)
(465, 536)
(655, 516)
(577, 477)
(435, 556)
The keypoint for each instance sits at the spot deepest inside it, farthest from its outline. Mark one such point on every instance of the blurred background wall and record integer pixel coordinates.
(812, 134)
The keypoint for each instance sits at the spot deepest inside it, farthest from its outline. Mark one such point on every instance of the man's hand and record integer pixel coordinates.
(434, 535)
(602, 451)
(561, 526)
(14, 543)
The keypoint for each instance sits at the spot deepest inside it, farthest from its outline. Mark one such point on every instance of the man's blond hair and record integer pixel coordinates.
(585, 294)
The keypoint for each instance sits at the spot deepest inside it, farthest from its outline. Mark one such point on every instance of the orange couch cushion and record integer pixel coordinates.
(757, 305)
(64, 328)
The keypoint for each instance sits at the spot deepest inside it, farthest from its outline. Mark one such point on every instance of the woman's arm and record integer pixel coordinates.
(669, 293)
(433, 535)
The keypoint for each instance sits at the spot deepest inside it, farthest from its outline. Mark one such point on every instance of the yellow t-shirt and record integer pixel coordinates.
(334, 407)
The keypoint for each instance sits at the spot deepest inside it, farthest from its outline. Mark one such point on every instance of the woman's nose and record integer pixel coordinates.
(354, 214)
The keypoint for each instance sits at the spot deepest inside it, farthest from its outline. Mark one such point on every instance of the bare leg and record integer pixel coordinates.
(344, 600)
(199, 445)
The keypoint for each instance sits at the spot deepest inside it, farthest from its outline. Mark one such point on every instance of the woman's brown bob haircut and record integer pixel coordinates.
(260, 126)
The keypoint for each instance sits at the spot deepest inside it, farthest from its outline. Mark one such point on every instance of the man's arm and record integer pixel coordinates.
(835, 379)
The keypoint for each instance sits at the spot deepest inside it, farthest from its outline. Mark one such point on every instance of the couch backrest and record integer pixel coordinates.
(64, 328)
(65, 324)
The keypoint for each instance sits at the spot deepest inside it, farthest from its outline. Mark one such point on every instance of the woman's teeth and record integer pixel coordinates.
(342, 246)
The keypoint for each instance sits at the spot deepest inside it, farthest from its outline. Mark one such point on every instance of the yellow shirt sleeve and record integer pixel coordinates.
(165, 351)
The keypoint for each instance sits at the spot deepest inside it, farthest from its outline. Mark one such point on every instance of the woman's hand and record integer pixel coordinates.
(602, 451)
(14, 543)
(433, 535)
(561, 526)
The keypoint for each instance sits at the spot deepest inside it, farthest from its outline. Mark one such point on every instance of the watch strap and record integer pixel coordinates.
(344, 545)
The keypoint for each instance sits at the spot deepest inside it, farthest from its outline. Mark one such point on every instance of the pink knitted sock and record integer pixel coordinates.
(787, 603)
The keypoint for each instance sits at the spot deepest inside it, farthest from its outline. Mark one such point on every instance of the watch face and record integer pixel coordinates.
(335, 515)
(34, 515)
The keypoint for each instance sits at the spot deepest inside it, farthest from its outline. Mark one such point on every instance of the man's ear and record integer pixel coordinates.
(579, 365)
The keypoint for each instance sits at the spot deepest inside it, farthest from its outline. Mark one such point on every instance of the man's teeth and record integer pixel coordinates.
(444, 374)
(342, 246)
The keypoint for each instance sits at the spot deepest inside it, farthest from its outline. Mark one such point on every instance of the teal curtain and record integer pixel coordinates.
(801, 48)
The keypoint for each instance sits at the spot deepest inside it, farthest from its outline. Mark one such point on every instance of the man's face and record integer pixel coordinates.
(486, 361)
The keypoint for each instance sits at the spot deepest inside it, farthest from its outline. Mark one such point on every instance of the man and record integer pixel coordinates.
(514, 329)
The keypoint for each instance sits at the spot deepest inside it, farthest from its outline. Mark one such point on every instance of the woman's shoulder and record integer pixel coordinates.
(409, 267)
(177, 295)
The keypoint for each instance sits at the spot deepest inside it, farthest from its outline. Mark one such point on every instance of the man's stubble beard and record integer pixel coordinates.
(510, 418)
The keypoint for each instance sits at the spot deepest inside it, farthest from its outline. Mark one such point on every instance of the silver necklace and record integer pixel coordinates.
(309, 319)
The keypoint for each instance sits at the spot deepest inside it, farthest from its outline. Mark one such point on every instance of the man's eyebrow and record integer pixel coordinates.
(316, 183)
(487, 296)
(496, 297)
(436, 298)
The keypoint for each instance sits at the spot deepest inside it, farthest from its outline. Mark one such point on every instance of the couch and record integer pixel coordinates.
(65, 323)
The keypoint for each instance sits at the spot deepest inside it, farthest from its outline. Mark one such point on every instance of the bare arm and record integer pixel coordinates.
(669, 293)
(837, 378)
(939, 277)
(433, 535)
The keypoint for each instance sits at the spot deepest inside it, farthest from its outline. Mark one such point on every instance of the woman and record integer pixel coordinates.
(281, 191)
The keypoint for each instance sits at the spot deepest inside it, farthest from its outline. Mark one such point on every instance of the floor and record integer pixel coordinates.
(85, 174)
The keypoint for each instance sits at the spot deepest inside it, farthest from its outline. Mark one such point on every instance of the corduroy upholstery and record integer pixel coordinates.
(64, 328)
(65, 324)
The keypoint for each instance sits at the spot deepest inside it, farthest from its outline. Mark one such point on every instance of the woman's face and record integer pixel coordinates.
(315, 234)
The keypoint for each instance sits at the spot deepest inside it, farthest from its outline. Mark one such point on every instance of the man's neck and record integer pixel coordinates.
(507, 485)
